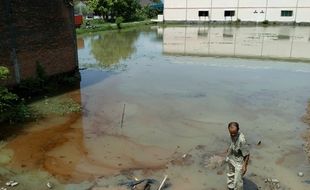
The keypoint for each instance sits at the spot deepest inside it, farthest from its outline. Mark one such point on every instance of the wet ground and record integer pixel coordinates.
(150, 109)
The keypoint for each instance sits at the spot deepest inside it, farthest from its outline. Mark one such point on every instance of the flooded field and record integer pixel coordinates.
(156, 101)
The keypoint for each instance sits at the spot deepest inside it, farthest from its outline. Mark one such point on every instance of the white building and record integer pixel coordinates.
(232, 10)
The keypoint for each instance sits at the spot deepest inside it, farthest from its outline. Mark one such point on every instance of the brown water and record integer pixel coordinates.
(177, 106)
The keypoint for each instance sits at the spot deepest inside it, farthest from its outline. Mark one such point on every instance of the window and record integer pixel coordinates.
(229, 13)
(286, 13)
(203, 13)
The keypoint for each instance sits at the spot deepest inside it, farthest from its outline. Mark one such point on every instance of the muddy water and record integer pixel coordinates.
(178, 88)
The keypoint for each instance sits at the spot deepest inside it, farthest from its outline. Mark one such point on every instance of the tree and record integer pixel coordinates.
(111, 9)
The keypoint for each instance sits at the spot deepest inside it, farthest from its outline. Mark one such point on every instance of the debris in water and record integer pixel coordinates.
(163, 182)
(185, 160)
(49, 185)
(300, 174)
(273, 183)
(259, 142)
(9, 183)
(123, 115)
(14, 184)
(139, 184)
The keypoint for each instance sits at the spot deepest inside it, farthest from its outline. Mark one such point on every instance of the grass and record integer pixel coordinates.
(96, 27)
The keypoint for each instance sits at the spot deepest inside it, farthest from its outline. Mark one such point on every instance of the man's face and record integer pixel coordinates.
(233, 131)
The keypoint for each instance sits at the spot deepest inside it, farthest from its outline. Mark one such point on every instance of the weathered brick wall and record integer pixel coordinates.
(41, 31)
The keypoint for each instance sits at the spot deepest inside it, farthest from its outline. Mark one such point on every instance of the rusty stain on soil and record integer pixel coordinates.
(62, 150)
(306, 134)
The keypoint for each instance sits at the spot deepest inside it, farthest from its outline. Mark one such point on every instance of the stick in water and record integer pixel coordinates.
(162, 183)
(123, 115)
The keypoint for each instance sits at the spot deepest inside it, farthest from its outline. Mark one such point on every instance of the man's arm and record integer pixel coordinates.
(245, 164)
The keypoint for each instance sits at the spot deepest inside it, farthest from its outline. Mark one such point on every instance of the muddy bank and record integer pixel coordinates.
(306, 135)
(63, 150)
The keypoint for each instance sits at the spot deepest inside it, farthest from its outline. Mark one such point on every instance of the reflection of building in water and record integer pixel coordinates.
(245, 10)
(256, 42)
(80, 43)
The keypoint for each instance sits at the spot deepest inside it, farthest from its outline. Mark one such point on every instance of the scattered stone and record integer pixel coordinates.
(273, 183)
(300, 174)
(14, 184)
(259, 142)
(49, 185)
(185, 160)
(272, 180)
(9, 183)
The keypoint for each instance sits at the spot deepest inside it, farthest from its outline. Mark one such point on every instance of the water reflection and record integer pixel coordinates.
(80, 43)
(112, 47)
(175, 105)
(251, 42)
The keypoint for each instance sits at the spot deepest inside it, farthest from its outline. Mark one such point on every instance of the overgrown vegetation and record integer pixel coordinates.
(129, 10)
(12, 108)
(42, 84)
(100, 15)
(119, 21)
(92, 27)
(265, 22)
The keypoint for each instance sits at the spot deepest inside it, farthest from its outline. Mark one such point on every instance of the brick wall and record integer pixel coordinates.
(41, 31)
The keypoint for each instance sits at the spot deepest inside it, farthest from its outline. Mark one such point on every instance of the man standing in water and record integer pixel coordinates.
(238, 155)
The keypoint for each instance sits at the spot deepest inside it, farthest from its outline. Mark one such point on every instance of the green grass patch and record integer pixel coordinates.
(110, 26)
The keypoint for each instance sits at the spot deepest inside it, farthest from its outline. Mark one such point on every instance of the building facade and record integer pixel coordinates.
(232, 10)
(36, 32)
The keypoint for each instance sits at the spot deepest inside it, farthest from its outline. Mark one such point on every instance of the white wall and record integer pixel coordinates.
(245, 10)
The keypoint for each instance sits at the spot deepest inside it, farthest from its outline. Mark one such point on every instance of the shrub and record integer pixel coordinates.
(12, 108)
(265, 22)
(119, 20)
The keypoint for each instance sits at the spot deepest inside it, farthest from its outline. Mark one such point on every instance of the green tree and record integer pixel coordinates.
(111, 9)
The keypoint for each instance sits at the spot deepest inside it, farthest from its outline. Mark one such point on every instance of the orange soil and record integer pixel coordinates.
(306, 135)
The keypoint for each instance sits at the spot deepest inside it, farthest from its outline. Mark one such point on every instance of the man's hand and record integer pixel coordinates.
(244, 169)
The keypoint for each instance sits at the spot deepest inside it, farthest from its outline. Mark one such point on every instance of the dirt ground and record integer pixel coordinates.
(306, 135)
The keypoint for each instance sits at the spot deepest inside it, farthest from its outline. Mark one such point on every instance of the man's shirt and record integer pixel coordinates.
(238, 149)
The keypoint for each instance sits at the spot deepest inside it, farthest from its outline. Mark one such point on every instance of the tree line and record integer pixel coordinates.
(127, 10)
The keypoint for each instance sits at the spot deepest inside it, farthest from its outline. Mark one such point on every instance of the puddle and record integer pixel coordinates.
(177, 109)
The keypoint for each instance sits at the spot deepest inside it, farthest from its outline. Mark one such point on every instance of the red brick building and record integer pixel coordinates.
(37, 31)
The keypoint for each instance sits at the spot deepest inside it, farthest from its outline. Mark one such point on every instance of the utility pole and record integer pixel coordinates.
(186, 12)
(296, 8)
(266, 9)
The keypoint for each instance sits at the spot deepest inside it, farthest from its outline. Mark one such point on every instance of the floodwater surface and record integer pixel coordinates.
(157, 101)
